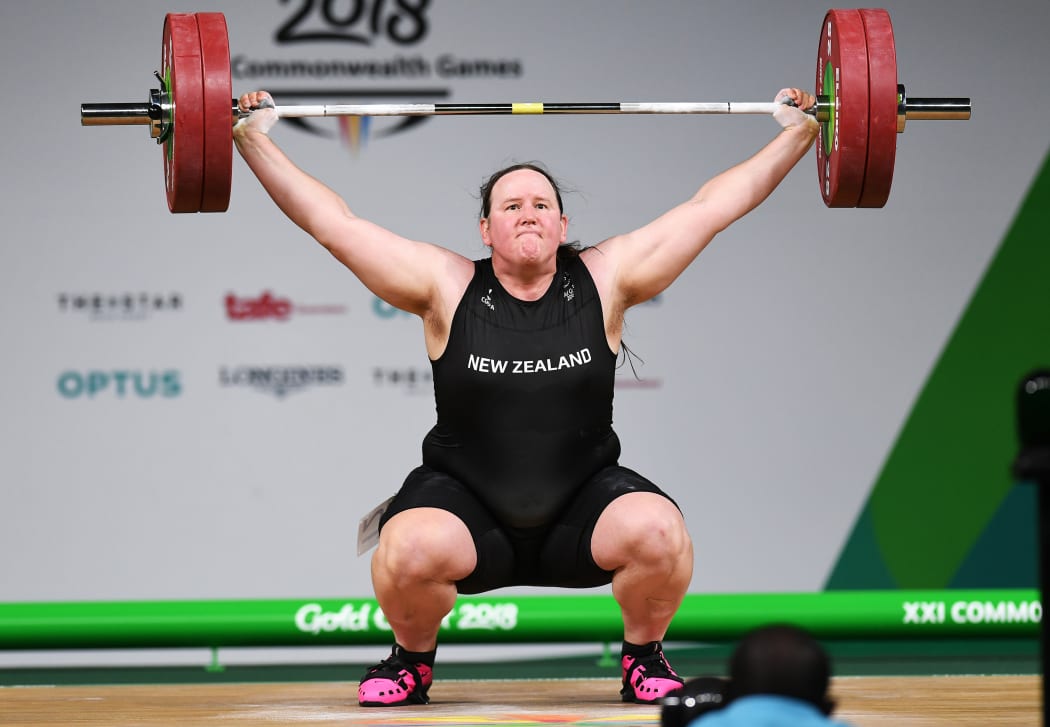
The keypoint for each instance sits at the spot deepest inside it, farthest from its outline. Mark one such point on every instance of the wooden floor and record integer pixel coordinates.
(948, 701)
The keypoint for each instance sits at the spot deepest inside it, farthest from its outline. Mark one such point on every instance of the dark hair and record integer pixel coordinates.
(567, 250)
(486, 188)
(781, 659)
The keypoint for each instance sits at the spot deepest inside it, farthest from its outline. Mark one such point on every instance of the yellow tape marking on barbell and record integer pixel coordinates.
(526, 108)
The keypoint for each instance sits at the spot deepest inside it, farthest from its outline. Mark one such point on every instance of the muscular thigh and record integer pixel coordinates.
(559, 554)
(426, 488)
(568, 558)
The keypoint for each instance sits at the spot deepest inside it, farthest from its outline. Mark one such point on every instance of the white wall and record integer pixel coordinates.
(787, 356)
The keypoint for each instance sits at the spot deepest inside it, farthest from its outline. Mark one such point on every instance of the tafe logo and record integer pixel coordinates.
(254, 309)
(268, 306)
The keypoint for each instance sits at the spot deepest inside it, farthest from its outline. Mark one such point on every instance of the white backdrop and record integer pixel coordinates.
(779, 367)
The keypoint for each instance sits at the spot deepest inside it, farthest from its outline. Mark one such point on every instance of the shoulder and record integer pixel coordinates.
(602, 262)
(596, 259)
(763, 708)
(452, 276)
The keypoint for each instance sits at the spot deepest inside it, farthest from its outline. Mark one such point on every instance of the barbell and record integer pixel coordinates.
(860, 109)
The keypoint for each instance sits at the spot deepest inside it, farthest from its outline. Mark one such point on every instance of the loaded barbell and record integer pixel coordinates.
(860, 108)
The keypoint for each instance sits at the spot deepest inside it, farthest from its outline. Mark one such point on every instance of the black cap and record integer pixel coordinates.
(1033, 426)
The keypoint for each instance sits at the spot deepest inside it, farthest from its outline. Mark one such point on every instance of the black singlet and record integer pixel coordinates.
(524, 394)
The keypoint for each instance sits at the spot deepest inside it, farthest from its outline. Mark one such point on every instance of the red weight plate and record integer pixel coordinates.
(184, 147)
(882, 108)
(842, 74)
(218, 114)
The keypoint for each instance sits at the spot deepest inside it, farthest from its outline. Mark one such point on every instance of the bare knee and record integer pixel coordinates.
(425, 544)
(643, 529)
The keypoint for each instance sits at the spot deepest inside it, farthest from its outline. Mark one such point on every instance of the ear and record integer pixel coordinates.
(564, 228)
(483, 228)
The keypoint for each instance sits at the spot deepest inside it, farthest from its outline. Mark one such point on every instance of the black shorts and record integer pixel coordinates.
(558, 554)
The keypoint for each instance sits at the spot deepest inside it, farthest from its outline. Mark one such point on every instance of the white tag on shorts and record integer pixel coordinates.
(368, 528)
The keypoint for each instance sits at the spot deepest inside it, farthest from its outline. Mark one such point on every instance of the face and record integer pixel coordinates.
(524, 224)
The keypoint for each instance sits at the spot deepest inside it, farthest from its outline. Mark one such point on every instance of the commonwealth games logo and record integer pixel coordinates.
(373, 53)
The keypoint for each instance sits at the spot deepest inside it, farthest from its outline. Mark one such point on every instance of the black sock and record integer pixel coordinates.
(637, 651)
(416, 657)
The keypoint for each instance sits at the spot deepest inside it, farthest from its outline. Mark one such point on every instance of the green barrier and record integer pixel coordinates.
(514, 619)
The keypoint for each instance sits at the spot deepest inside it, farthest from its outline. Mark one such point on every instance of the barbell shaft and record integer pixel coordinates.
(126, 114)
(725, 107)
(929, 109)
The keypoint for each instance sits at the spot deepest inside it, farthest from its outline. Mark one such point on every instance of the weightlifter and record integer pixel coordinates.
(520, 482)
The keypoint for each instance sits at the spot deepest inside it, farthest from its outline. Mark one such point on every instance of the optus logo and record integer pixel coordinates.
(120, 384)
(382, 309)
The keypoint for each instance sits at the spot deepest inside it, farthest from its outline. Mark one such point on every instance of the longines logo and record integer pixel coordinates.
(280, 380)
(268, 306)
(364, 24)
(126, 306)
